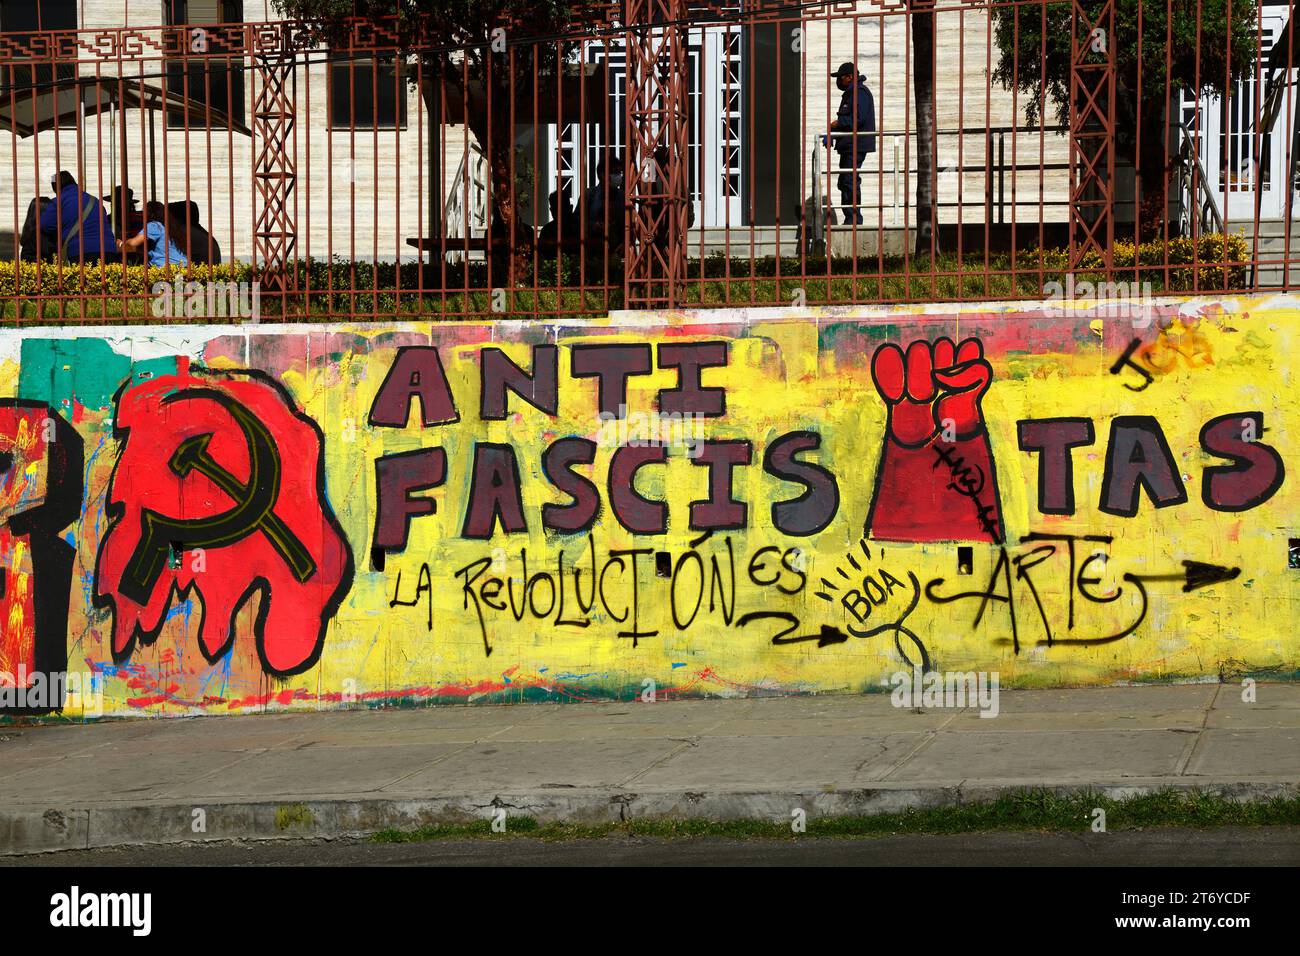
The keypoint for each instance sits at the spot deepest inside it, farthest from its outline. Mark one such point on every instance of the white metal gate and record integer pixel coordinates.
(716, 94)
(1244, 166)
(719, 106)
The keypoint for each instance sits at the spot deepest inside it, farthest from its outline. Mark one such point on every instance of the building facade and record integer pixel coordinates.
(373, 172)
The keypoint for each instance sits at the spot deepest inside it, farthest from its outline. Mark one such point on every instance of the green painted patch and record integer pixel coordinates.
(294, 815)
(59, 371)
(146, 369)
(88, 371)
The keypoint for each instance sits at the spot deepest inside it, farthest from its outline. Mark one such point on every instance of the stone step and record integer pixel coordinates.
(1268, 228)
(1271, 275)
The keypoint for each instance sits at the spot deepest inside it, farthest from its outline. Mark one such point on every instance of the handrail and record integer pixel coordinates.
(1274, 93)
(993, 199)
(1195, 179)
(466, 216)
(815, 219)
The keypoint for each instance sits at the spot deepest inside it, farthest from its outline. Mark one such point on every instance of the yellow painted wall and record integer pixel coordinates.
(1229, 613)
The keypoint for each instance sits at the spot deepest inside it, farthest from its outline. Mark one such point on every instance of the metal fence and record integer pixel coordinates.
(652, 153)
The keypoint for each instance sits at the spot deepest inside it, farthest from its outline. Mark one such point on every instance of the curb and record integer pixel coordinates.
(30, 830)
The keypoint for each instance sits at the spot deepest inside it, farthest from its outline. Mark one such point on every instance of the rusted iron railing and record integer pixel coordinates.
(651, 154)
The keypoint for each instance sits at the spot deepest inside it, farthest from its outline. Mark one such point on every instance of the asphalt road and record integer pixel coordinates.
(1260, 846)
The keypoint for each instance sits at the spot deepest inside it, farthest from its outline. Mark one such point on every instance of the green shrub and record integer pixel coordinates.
(591, 285)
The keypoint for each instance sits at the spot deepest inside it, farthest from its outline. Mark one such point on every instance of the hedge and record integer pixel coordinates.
(340, 287)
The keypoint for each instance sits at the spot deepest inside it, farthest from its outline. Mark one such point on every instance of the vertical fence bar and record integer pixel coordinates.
(1092, 132)
(274, 228)
(657, 143)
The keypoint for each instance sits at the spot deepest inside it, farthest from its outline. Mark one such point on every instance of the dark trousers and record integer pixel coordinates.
(850, 186)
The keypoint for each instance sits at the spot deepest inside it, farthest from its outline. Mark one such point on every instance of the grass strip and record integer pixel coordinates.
(1026, 810)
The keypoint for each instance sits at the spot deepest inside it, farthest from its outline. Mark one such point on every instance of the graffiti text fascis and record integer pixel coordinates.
(1138, 458)
(495, 498)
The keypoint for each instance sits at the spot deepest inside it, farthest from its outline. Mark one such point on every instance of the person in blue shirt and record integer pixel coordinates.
(78, 222)
(854, 136)
(162, 243)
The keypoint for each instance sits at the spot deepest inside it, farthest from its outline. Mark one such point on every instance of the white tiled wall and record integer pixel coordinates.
(364, 196)
(965, 98)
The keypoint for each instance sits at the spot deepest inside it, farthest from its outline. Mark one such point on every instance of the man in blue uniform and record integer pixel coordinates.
(853, 135)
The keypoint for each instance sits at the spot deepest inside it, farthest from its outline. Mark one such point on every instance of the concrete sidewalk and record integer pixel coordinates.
(346, 773)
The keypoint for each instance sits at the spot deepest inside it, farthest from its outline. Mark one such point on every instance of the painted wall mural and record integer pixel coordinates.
(229, 519)
(223, 463)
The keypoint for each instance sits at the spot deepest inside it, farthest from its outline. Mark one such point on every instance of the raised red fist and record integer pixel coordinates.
(936, 480)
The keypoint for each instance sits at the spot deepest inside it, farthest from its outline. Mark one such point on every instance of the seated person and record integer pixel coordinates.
(127, 217)
(605, 202)
(201, 248)
(78, 221)
(564, 225)
(33, 243)
(161, 241)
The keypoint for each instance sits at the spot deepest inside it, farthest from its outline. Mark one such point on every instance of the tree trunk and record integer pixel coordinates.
(511, 263)
(436, 233)
(510, 240)
(923, 41)
(1153, 166)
